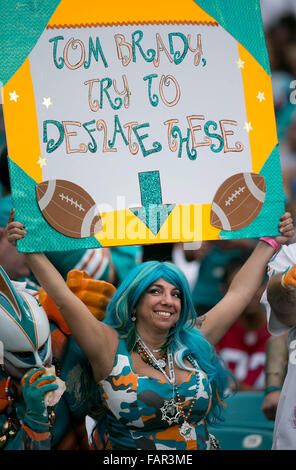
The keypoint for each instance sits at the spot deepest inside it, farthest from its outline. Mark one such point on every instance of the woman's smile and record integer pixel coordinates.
(164, 314)
(159, 304)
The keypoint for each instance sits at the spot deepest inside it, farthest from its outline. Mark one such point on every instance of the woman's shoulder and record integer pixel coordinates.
(195, 341)
(122, 361)
(194, 334)
(105, 356)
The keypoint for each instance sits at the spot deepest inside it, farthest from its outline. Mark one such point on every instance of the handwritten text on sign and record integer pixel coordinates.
(118, 101)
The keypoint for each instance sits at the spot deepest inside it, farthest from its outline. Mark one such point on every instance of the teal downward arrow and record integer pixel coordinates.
(152, 212)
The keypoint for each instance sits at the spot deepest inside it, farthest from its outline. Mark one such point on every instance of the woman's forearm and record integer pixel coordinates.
(250, 276)
(86, 329)
(48, 277)
(276, 361)
(220, 318)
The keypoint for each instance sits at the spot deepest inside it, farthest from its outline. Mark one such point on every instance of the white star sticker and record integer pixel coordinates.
(248, 127)
(240, 63)
(47, 102)
(42, 162)
(13, 96)
(260, 96)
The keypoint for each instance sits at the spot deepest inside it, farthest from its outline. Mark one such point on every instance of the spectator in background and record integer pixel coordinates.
(288, 164)
(5, 192)
(243, 346)
(13, 263)
(279, 20)
(158, 251)
(288, 150)
(189, 259)
(280, 41)
(283, 107)
(272, 10)
(4, 174)
(279, 301)
(44, 339)
(207, 289)
(2, 130)
(277, 356)
(281, 36)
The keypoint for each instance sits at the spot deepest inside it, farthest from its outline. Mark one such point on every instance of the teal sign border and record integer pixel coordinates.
(238, 17)
(21, 25)
(264, 224)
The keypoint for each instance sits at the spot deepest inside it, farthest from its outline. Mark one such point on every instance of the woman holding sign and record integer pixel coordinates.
(159, 378)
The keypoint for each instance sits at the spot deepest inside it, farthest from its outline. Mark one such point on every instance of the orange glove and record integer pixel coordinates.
(288, 280)
(94, 294)
(52, 311)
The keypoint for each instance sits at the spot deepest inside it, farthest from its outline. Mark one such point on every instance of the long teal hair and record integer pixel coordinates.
(183, 338)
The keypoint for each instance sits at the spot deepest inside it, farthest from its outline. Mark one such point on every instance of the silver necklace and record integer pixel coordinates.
(170, 410)
(186, 429)
(158, 362)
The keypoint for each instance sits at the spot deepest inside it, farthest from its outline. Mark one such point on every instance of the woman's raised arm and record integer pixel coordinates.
(97, 340)
(215, 323)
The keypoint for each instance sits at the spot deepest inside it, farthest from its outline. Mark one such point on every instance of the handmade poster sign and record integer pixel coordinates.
(143, 123)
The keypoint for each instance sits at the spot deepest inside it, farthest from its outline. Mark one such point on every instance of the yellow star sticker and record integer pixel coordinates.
(42, 162)
(260, 96)
(47, 102)
(248, 127)
(240, 63)
(13, 96)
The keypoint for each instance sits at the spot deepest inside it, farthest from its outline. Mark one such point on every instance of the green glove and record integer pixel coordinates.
(34, 388)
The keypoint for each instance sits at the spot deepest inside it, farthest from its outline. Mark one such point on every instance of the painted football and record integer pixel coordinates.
(68, 208)
(238, 201)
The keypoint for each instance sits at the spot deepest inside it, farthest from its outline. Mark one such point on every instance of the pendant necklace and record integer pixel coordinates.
(172, 411)
(186, 429)
(159, 363)
(12, 425)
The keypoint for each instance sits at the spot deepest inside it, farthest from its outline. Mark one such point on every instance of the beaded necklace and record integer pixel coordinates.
(172, 411)
(11, 426)
(160, 362)
(186, 429)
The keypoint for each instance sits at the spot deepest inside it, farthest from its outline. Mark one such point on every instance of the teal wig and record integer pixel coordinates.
(183, 338)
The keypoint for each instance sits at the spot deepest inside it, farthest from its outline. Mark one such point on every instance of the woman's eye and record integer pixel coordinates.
(153, 290)
(177, 294)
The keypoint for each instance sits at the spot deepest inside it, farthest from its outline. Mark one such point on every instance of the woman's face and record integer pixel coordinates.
(159, 306)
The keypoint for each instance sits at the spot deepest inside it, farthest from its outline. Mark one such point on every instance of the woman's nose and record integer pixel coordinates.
(166, 298)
